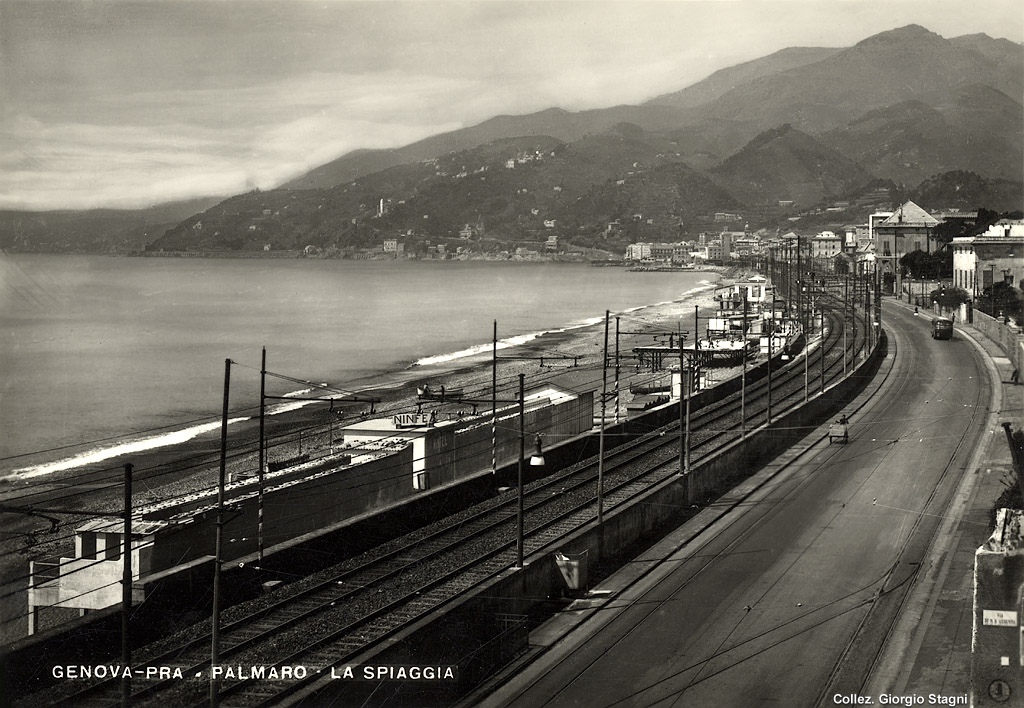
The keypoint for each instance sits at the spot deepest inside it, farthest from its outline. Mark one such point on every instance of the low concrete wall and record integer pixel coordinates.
(1007, 336)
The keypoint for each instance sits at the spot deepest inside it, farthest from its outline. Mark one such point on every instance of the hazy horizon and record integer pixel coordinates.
(109, 104)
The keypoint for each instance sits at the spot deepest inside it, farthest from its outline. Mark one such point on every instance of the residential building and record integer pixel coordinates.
(826, 245)
(994, 256)
(638, 252)
(907, 229)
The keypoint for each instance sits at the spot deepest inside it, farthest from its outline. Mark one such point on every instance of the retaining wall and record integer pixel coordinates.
(182, 595)
(1007, 336)
(446, 636)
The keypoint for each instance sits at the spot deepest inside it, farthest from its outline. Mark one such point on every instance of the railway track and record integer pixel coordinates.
(359, 603)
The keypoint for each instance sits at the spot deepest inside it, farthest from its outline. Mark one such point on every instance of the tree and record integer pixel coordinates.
(1002, 300)
(949, 298)
(927, 266)
(946, 231)
(985, 219)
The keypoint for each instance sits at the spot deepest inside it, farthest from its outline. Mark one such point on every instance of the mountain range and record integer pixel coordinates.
(801, 128)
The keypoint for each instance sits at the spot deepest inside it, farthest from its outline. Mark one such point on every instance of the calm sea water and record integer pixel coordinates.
(97, 348)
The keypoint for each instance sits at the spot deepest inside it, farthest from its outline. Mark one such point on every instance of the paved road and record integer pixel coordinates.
(761, 611)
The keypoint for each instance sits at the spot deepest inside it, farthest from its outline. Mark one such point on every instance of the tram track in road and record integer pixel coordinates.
(864, 649)
(374, 599)
(718, 521)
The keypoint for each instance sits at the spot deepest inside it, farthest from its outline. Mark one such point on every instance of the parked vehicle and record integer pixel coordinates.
(942, 328)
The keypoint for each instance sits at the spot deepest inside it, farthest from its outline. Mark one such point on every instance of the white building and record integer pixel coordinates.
(638, 252)
(826, 245)
(994, 256)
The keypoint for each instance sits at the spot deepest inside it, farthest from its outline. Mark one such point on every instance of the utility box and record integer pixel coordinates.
(997, 659)
(574, 570)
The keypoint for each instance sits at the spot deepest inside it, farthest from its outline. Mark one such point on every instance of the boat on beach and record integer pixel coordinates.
(441, 393)
(645, 389)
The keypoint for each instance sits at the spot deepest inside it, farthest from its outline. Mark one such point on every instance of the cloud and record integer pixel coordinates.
(109, 103)
(218, 142)
(203, 142)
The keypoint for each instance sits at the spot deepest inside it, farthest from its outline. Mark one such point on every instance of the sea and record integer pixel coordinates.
(102, 356)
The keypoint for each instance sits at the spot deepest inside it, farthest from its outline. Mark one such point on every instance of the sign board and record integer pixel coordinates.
(999, 618)
(413, 420)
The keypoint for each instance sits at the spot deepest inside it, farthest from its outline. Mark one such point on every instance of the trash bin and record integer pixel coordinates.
(574, 569)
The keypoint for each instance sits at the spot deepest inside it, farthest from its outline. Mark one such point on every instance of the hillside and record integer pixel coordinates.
(883, 70)
(967, 190)
(815, 89)
(509, 190)
(969, 127)
(730, 78)
(93, 231)
(662, 202)
(554, 122)
(787, 164)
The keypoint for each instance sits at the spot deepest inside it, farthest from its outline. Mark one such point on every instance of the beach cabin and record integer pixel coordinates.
(757, 290)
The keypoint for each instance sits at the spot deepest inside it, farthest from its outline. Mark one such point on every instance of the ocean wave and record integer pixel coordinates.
(524, 338)
(152, 442)
(280, 408)
(120, 450)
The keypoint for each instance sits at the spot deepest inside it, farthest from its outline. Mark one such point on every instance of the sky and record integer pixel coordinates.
(128, 104)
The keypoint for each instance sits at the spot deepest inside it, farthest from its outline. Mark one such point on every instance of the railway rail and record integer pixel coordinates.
(345, 610)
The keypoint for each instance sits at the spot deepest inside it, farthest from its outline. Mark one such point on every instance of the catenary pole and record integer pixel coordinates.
(126, 592)
(600, 444)
(262, 460)
(494, 400)
(616, 369)
(218, 543)
(821, 344)
(743, 379)
(682, 412)
(846, 316)
(520, 539)
(771, 335)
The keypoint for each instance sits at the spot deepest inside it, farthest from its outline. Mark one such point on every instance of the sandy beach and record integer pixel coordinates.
(178, 469)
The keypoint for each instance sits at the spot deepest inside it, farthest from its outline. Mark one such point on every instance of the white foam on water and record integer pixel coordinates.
(95, 455)
(524, 338)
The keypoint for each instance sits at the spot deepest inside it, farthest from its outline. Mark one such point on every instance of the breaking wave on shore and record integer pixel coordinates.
(99, 453)
(519, 340)
(150, 442)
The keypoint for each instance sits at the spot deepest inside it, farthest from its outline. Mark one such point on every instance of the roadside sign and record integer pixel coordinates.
(999, 618)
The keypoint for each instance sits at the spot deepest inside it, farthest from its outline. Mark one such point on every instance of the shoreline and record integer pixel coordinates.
(186, 467)
(390, 385)
(193, 464)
